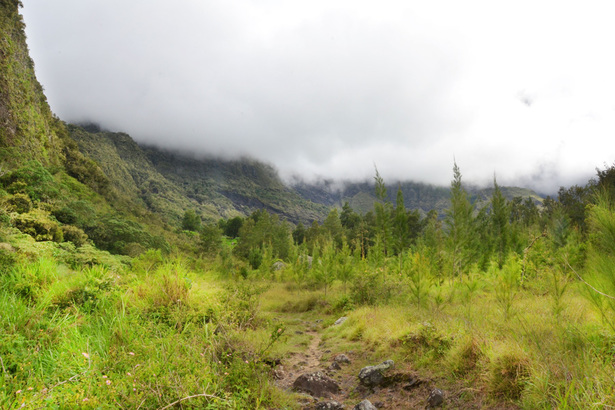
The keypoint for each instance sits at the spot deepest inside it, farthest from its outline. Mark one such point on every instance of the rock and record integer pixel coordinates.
(279, 374)
(329, 405)
(340, 321)
(316, 384)
(372, 376)
(335, 366)
(436, 398)
(365, 405)
(279, 265)
(341, 358)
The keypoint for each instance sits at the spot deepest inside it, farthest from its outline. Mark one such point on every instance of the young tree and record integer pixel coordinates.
(459, 221)
(382, 209)
(401, 235)
(334, 228)
(499, 224)
(232, 227)
(211, 239)
(299, 234)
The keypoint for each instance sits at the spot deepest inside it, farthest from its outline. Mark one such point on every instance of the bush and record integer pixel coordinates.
(118, 235)
(38, 225)
(20, 203)
(78, 213)
(74, 235)
(92, 287)
(32, 179)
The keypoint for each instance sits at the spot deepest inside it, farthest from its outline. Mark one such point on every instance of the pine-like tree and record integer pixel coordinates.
(459, 222)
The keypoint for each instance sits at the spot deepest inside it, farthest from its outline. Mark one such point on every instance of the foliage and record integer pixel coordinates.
(38, 224)
(32, 179)
(191, 221)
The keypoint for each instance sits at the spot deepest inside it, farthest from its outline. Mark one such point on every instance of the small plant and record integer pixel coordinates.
(464, 357)
(507, 285)
(417, 267)
(508, 375)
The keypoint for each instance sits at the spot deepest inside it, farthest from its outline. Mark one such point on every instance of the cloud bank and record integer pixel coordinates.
(328, 88)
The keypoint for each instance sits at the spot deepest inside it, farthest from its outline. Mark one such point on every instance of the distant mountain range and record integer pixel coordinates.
(170, 182)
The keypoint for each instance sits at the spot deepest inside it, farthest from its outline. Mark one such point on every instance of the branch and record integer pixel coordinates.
(583, 280)
(190, 397)
(3, 369)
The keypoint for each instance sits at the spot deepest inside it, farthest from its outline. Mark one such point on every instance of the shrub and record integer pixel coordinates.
(89, 291)
(74, 235)
(118, 235)
(37, 224)
(464, 357)
(32, 179)
(508, 375)
(20, 203)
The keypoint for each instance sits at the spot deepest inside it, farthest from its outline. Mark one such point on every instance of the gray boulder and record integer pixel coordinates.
(341, 358)
(316, 384)
(365, 405)
(372, 376)
(340, 321)
(334, 366)
(279, 265)
(329, 405)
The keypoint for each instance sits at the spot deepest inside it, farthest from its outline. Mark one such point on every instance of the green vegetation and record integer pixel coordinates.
(131, 277)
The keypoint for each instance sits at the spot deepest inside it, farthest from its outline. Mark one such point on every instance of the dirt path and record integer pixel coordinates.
(410, 390)
(302, 362)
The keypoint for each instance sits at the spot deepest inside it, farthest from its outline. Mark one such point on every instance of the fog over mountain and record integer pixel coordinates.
(328, 88)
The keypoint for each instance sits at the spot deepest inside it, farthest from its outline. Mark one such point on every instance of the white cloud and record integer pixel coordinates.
(328, 88)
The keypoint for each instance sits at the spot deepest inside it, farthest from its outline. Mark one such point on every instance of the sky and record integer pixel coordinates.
(521, 90)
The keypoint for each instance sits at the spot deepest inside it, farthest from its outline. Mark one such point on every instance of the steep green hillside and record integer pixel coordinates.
(27, 127)
(169, 183)
(235, 186)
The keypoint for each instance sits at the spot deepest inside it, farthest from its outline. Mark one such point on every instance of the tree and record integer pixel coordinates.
(353, 226)
(499, 224)
(232, 227)
(211, 239)
(401, 234)
(191, 221)
(299, 234)
(574, 202)
(334, 228)
(460, 224)
(260, 229)
(382, 209)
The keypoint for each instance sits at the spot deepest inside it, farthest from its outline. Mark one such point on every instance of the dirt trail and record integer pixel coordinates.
(302, 362)
(410, 391)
